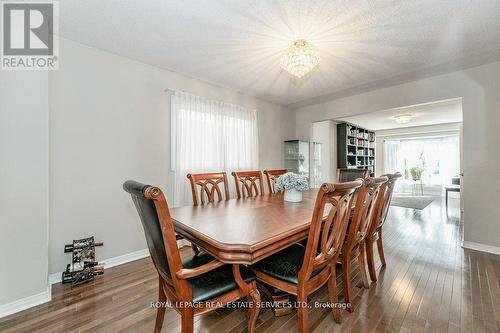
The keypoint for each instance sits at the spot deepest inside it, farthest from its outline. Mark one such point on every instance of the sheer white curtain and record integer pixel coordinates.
(208, 136)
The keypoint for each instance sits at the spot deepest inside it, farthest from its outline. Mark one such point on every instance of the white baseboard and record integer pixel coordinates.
(481, 247)
(27, 302)
(123, 259)
(108, 263)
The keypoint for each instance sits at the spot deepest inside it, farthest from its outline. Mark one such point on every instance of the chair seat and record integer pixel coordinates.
(284, 265)
(216, 282)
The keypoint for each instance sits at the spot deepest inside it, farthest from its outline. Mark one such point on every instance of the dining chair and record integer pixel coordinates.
(248, 183)
(354, 245)
(210, 186)
(193, 286)
(379, 217)
(272, 176)
(347, 175)
(300, 270)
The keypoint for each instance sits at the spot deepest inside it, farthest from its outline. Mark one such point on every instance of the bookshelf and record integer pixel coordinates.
(355, 147)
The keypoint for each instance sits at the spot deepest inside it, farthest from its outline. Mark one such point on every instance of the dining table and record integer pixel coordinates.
(246, 230)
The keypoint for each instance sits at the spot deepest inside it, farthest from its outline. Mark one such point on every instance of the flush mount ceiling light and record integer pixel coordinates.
(300, 58)
(403, 118)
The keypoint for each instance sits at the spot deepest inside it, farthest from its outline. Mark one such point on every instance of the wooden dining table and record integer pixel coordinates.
(244, 231)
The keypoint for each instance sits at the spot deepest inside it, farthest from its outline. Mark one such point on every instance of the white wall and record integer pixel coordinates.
(23, 187)
(479, 89)
(325, 132)
(410, 132)
(110, 122)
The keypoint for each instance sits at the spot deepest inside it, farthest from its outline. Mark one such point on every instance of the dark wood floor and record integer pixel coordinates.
(430, 284)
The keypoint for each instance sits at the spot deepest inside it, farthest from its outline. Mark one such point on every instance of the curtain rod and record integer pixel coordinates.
(170, 90)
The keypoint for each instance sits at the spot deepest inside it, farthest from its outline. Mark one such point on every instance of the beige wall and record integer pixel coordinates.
(478, 87)
(23, 188)
(110, 122)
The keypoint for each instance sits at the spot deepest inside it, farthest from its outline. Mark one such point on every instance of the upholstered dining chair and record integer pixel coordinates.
(379, 217)
(347, 175)
(193, 286)
(354, 245)
(300, 270)
(272, 176)
(248, 183)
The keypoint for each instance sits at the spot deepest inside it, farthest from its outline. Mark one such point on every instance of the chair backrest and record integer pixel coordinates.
(159, 230)
(388, 195)
(210, 185)
(348, 175)
(365, 207)
(383, 202)
(326, 238)
(272, 176)
(248, 183)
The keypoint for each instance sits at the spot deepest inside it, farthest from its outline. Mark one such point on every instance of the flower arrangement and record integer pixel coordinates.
(291, 181)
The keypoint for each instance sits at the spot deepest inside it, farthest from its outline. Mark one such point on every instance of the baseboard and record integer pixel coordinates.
(123, 259)
(481, 247)
(108, 263)
(26, 303)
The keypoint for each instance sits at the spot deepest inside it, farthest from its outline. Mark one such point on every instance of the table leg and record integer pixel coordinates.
(446, 198)
(282, 305)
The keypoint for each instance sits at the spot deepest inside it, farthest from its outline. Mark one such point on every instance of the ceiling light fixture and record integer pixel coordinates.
(300, 58)
(403, 118)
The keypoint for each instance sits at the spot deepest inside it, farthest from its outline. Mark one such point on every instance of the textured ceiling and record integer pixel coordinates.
(238, 43)
(441, 112)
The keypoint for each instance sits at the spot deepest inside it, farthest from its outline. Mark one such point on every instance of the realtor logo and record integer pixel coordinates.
(29, 35)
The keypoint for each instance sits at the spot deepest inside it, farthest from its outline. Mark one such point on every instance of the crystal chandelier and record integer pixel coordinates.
(300, 58)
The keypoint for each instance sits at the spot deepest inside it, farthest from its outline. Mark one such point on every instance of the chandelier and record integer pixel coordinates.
(300, 58)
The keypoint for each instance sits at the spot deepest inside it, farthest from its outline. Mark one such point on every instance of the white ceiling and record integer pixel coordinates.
(441, 112)
(238, 43)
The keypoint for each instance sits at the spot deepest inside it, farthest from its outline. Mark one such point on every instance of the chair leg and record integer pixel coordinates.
(380, 247)
(253, 311)
(187, 320)
(160, 312)
(302, 312)
(346, 279)
(371, 259)
(362, 265)
(332, 292)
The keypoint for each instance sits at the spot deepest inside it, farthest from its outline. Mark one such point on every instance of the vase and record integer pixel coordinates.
(293, 195)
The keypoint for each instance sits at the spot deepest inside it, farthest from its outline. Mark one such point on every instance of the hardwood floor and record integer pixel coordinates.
(430, 284)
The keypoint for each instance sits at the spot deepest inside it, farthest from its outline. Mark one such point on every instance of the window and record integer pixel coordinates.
(439, 158)
(209, 136)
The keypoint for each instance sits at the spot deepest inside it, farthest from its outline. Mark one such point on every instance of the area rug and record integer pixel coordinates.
(411, 201)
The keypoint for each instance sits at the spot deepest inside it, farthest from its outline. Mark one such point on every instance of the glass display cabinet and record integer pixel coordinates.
(297, 157)
(316, 166)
